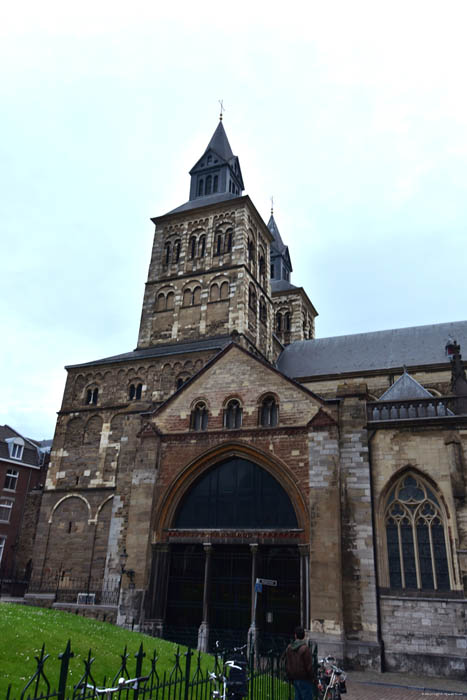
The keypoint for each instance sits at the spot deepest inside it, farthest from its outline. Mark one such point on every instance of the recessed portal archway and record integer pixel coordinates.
(234, 524)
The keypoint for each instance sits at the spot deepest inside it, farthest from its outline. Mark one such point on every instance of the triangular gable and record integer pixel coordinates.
(404, 388)
(236, 379)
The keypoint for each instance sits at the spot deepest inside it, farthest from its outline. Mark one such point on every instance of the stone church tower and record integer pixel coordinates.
(232, 444)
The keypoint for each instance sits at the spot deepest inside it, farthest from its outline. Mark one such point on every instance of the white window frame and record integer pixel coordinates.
(2, 546)
(11, 474)
(15, 448)
(6, 503)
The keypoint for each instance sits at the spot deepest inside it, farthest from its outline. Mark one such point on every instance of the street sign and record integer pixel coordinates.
(266, 581)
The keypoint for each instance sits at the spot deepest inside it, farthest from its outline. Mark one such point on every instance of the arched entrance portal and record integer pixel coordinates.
(234, 525)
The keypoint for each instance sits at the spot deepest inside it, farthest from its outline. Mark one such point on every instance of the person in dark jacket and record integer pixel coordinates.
(299, 666)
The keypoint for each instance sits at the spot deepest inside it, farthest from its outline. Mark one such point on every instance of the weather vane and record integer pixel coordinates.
(221, 102)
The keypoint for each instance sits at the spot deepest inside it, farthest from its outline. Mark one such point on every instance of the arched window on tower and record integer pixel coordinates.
(192, 247)
(416, 537)
(218, 244)
(200, 187)
(177, 251)
(233, 414)
(269, 412)
(228, 240)
(92, 396)
(287, 321)
(170, 301)
(278, 322)
(135, 392)
(202, 246)
(224, 290)
(167, 253)
(263, 314)
(199, 417)
(252, 298)
(262, 271)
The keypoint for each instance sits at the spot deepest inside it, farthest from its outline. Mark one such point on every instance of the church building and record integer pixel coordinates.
(232, 446)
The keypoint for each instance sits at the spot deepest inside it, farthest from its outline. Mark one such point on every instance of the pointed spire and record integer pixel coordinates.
(217, 173)
(220, 143)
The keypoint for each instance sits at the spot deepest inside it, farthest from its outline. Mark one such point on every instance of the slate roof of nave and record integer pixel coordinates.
(379, 350)
(162, 350)
(204, 202)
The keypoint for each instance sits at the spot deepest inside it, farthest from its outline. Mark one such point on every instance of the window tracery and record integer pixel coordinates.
(415, 537)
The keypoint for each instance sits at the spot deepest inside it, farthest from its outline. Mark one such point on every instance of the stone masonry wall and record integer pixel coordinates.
(425, 636)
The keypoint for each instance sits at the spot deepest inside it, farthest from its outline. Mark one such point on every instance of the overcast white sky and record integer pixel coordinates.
(352, 114)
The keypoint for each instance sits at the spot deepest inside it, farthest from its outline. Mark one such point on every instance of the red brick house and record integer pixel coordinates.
(23, 467)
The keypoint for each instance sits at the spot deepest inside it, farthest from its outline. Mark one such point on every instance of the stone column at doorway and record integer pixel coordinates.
(253, 631)
(203, 634)
(161, 579)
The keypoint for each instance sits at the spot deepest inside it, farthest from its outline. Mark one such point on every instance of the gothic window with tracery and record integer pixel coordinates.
(415, 536)
(233, 414)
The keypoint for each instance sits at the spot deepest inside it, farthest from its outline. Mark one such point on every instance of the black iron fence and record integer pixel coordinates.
(80, 591)
(141, 678)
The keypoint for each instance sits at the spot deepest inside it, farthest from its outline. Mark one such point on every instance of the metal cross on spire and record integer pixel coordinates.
(221, 102)
(272, 205)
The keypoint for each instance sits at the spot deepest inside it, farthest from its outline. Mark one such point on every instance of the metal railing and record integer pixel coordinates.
(81, 590)
(189, 678)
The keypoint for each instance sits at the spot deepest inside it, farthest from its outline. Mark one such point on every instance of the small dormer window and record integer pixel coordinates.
(16, 447)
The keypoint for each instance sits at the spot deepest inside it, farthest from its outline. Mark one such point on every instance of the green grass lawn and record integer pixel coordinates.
(25, 629)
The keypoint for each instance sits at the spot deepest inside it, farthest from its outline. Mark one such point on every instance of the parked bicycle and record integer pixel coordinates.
(331, 680)
(232, 683)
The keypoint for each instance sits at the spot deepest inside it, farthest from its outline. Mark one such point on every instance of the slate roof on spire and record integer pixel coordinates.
(272, 226)
(220, 143)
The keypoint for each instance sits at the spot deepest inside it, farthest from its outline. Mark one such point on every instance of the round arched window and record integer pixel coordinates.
(237, 494)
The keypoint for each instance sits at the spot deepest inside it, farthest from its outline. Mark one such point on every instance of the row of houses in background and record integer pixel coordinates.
(23, 468)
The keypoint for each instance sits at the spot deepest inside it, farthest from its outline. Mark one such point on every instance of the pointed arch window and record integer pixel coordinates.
(416, 537)
(233, 414)
(269, 412)
(199, 417)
